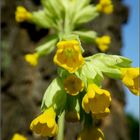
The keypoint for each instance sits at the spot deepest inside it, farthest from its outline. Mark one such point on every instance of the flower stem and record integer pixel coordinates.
(60, 135)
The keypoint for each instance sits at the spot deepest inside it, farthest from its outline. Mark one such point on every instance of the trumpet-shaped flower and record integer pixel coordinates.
(97, 101)
(91, 134)
(73, 85)
(45, 124)
(32, 59)
(131, 78)
(103, 42)
(105, 6)
(22, 14)
(69, 55)
(18, 137)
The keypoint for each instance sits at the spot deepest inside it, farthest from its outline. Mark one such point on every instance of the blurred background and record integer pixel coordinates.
(22, 86)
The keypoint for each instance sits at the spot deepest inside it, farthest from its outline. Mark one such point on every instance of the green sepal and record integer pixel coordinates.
(62, 73)
(109, 64)
(55, 96)
(40, 19)
(90, 73)
(87, 36)
(73, 103)
(86, 14)
(47, 47)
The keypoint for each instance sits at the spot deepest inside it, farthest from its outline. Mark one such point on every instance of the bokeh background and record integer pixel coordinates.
(23, 86)
(131, 50)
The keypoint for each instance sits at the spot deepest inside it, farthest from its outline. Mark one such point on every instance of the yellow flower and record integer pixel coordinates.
(131, 78)
(18, 137)
(22, 14)
(72, 116)
(73, 85)
(97, 101)
(103, 42)
(105, 6)
(32, 58)
(45, 124)
(91, 134)
(69, 55)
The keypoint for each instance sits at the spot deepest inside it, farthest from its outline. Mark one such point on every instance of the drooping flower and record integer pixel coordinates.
(22, 14)
(72, 116)
(32, 58)
(73, 85)
(131, 78)
(18, 137)
(69, 56)
(96, 101)
(103, 43)
(45, 124)
(105, 6)
(91, 134)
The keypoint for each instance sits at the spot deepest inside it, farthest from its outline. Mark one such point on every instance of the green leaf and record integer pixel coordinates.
(55, 96)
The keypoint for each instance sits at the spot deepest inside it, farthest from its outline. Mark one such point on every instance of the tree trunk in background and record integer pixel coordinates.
(23, 85)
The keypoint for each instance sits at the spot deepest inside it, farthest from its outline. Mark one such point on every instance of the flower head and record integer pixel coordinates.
(22, 14)
(97, 101)
(103, 42)
(105, 6)
(32, 58)
(91, 134)
(18, 137)
(45, 124)
(68, 55)
(131, 78)
(73, 85)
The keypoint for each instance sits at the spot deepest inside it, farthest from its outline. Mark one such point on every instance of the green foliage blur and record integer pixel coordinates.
(133, 127)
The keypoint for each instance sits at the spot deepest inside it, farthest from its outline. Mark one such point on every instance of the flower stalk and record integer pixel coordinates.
(60, 135)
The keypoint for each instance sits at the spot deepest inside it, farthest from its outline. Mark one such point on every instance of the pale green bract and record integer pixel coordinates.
(47, 47)
(98, 65)
(54, 96)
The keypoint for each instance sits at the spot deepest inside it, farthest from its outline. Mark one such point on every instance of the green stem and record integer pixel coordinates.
(60, 135)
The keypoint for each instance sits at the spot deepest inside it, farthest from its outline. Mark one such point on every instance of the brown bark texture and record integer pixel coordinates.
(23, 86)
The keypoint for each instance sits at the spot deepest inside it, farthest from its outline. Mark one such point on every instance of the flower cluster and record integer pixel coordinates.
(76, 94)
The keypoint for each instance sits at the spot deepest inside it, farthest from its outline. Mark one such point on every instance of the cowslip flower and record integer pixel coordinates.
(32, 58)
(69, 56)
(103, 43)
(105, 6)
(91, 134)
(18, 137)
(22, 14)
(72, 116)
(131, 78)
(96, 101)
(45, 124)
(73, 85)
